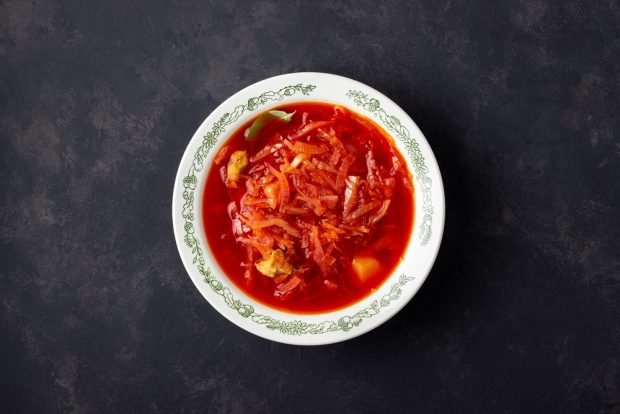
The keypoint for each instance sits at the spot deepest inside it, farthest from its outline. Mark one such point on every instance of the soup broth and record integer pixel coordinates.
(308, 208)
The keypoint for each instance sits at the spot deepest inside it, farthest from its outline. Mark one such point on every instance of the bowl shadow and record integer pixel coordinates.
(448, 282)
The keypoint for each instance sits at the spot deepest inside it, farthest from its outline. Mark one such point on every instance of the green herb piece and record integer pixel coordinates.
(263, 120)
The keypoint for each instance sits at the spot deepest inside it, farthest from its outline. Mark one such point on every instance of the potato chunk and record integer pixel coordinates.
(365, 267)
(274, 265)
(236, 164)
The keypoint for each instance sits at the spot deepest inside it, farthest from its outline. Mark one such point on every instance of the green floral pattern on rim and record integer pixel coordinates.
(294, 327)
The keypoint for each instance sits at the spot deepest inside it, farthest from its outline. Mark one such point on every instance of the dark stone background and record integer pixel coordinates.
(520, 101)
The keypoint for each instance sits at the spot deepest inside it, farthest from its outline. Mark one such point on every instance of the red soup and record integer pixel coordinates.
(308, 208)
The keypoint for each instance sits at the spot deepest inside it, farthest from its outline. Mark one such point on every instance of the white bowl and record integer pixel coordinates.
(303, 329)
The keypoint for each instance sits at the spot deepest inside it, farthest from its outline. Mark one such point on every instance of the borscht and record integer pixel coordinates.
(308, 208)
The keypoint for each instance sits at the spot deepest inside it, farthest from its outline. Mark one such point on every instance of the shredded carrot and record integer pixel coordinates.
(289, 144)
(285, 190)
(310, 149)
(252, 201)
(222, 154)
(308, 128)
(275, 222)
(315, 203)
(298, 211)
(298, 160)
(330, 200)
(331, 227)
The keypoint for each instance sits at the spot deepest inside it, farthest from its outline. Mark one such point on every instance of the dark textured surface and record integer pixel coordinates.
(520, 101)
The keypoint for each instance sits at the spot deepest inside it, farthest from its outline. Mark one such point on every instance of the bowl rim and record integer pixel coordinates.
(375, 104)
